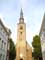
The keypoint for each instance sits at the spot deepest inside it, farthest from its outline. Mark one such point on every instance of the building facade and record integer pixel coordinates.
(42, 37)
(23, 50)
(4, 35)
(8, 44)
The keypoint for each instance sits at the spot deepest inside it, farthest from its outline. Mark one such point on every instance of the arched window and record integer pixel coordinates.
(21, 27)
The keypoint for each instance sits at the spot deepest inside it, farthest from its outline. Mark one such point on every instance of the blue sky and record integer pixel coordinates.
(33, 14)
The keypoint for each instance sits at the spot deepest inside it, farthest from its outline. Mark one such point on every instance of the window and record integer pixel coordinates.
(0, 38)
(44, 34)
(3, 57)
(27, 49)
(21, 27)
(21, 59)
(5, 43)
(1, 28)
(2, 41)
(3, 31)
(21, 33)
(2, 44)
(0, 56)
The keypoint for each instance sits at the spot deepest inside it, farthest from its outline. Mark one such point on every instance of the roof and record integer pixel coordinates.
(28, 46)
(42, 25)
(5, 28)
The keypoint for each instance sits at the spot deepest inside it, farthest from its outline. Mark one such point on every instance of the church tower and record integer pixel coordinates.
(21, 44)
(21, 38)
(21, 28)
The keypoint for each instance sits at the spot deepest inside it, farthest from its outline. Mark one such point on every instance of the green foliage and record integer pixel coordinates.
(12, 51)
(37, 47)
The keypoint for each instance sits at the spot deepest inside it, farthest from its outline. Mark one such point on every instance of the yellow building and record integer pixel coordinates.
(23, 50)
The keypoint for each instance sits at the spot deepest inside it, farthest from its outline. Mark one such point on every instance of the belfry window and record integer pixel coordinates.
(21, 27)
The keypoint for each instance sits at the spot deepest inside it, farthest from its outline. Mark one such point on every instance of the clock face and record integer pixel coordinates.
(21, 20)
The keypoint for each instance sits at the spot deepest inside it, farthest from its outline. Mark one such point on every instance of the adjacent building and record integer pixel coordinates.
(42, 36)
(8, 45)
(23, 49)
(4, 35)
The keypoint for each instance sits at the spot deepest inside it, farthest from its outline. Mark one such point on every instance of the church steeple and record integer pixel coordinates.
(21, 19)
(21, 13)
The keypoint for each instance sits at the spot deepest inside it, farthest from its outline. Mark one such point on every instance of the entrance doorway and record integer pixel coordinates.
(21, 59)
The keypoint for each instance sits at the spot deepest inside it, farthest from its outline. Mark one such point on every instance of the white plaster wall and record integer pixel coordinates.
(43, 45)
(4, 37)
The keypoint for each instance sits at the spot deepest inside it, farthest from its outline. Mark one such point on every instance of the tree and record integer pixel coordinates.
(37, 47)
(12, 51)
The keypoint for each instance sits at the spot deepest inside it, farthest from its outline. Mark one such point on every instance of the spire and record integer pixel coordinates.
(21, 19)
(21, 13)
